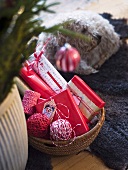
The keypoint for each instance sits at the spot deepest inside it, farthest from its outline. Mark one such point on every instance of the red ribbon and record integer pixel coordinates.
(37, 60)
(37, 57)
(54, 80)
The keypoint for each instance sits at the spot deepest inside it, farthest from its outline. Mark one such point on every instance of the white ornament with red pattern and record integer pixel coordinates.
(61, 129)
(67, 58)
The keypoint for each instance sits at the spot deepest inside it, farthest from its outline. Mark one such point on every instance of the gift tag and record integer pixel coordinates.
(49, 109)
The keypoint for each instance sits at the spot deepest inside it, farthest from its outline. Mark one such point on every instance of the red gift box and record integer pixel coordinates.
(65, 107)
(90, 102)
(35, 82)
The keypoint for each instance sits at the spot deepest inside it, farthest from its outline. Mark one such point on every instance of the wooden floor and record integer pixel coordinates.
(84, 160)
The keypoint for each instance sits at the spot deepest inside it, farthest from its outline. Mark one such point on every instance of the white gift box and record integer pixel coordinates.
(47, 71)
(90, 103)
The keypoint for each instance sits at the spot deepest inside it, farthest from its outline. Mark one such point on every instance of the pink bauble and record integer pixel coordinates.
(67, 58)
(60, 129)
(37, 125)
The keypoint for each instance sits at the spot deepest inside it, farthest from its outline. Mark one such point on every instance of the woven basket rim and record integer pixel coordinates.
(91, 131)
(70, 146)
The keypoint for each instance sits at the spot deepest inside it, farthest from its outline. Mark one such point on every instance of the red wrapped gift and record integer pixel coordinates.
(64, 107)
(35, 82)
(90, 102)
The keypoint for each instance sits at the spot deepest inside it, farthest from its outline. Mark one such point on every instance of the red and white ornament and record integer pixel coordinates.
(67, 58)
(37, 125)
(61, 129)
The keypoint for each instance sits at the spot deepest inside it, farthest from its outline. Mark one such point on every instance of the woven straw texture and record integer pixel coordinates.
(63, 147)
(13, 133)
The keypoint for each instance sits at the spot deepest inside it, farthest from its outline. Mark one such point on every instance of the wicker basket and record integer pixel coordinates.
(63, 147)
(79, 144)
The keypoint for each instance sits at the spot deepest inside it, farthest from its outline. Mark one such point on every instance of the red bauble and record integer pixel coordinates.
(67, 58)
(37, 125)
(61, 129)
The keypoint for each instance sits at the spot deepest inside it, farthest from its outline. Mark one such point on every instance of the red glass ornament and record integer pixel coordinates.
(67, 58)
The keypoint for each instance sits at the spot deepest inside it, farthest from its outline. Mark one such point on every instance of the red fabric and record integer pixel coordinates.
(71, 113)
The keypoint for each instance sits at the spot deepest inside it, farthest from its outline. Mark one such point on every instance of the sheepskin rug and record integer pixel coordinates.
(105, 41)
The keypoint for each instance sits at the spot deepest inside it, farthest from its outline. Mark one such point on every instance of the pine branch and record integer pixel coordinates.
(17, 28)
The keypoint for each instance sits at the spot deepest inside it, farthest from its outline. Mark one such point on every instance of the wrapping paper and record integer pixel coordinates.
(47, 72)
(65, 107)
(90, 102)
(35, 82)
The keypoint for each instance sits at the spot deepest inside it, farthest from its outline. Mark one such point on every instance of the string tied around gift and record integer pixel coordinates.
(27, 65)
(37, 59)
(64, 115)
(37, 64)
(38, 54)
(61, 129)
(42, 46)
(91, 111)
